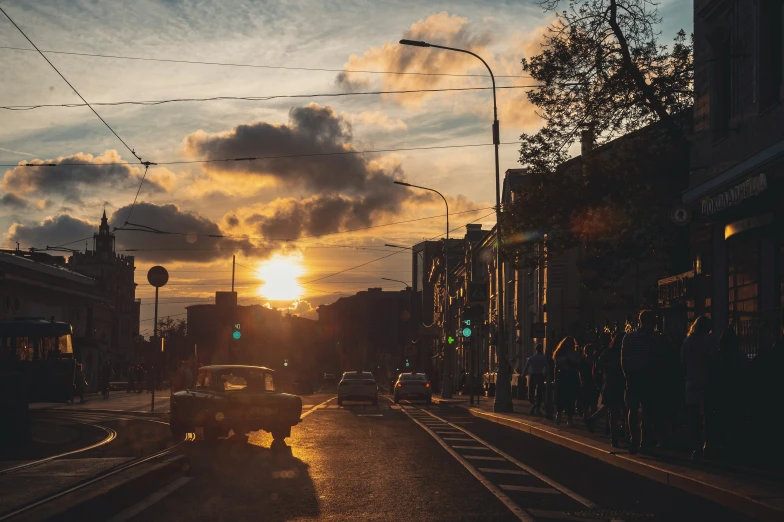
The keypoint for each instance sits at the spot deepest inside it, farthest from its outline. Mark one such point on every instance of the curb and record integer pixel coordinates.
(726, 497)
(102, 500)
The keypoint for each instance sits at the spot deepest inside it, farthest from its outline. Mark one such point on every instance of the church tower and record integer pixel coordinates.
(103, 241)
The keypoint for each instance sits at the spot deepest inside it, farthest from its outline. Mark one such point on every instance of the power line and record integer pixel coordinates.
(259, 66)
(71, 86)
(258, 98)
(260, 158)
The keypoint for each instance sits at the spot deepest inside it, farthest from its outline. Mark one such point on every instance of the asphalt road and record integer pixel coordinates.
(409, 464)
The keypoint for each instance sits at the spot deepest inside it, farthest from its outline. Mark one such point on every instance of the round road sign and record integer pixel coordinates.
(680, 215)
(158, 276)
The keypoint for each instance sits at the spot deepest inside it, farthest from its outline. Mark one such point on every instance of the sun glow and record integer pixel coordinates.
(279, 275)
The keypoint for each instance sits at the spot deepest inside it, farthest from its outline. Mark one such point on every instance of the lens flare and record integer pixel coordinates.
(279, 275)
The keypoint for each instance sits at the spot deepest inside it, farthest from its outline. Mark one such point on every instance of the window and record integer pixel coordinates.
(204, 380)
(770, 52)
(268, 384)
(233, 382)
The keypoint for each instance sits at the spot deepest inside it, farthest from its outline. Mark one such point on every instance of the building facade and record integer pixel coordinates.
(736, 186)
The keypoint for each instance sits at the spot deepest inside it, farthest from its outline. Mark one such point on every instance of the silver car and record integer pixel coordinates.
(413, 386)
(356, 386)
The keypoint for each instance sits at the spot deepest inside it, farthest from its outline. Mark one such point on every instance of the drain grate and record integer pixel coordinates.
(610, 514)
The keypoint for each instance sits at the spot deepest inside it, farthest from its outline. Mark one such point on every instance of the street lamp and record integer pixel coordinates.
(446, 388)
(503, 394)
(396, 281)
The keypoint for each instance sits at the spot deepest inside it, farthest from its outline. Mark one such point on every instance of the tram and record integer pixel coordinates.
(37, 359)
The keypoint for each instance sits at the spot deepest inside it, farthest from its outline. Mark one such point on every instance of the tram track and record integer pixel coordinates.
(89, 418)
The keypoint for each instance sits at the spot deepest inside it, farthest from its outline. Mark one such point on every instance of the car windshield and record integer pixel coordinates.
(358, 376)
(250, 379)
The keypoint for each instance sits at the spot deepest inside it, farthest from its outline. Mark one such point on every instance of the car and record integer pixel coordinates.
(413, 386)
(358, 385)
(234, 397)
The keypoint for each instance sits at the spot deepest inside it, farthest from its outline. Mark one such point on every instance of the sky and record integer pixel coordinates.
(300, 208)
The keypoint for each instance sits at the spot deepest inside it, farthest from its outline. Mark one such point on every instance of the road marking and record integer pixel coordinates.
(137, 508)
(529, 489)
(458, 439)
(482, 457)
(504, 471)
(316, 407)
(370, 415)
(479, 448)
(520, 513)
(544, 478)
(558, 515)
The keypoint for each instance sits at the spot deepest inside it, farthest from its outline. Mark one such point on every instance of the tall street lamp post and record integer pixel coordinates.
(503, 389)
(446, 387)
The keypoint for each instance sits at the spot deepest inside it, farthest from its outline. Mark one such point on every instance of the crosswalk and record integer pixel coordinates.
(528, 494)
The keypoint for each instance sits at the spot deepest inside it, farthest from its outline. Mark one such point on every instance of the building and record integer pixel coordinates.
(114, 274)
(736, 185)
(35, 284)
(370, 330)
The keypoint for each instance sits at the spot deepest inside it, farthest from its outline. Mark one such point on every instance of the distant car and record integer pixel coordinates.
(357, 386)
(234, 397)
(413, 386)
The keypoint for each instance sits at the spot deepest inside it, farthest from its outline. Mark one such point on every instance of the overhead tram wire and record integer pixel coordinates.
(259, 66)
(73, 88)
(261, 158)
(259, 98)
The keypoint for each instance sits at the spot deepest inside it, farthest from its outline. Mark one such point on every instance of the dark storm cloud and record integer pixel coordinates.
(52, 232)
(75, 175)
(352, 189)
(13, 202)
(168, 247)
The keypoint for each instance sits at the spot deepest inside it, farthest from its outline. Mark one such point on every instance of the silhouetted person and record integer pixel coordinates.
(131, 379)
(613, 387)
(636, 355)
(549, 388)
(567, 378)
(536, 369)
(698, 354)
(727, 389)
(589, 392)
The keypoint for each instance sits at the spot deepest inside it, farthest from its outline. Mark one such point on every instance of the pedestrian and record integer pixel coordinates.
(613, 387)
(536, 370)
(636, 354)
(698, 354)
(589, 392)
(131, 379)
(80, 382)
(567, 378)
(106, 377)
(726, 392)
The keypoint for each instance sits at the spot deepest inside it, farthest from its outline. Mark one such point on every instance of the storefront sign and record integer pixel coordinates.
(733, 196)
(674, 288)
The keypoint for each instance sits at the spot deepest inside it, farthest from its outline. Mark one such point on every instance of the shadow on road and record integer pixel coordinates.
(238, 480)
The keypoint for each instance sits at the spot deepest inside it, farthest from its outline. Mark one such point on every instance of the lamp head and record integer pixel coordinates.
(415, 43)
(402, 183)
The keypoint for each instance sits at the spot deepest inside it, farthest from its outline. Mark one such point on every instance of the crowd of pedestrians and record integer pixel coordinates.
(652, 390)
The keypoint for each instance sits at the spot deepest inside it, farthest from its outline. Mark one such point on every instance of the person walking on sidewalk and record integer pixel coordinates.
(636, 354)
(131, 379)
(589, 392)
(567, 378)
(698, 354)
(613, 387)
(549, 386)
(536, 369)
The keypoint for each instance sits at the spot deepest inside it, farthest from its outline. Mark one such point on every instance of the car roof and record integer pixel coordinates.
(221, 367)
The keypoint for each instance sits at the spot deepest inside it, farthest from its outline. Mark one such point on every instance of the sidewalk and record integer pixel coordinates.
(118, 401)
(741, 490)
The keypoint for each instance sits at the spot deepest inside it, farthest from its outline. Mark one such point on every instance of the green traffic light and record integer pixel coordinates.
(467, 332)
(450, 339)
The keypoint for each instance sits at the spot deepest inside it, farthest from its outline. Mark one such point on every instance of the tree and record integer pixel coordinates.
(603, 75)
(175, 335)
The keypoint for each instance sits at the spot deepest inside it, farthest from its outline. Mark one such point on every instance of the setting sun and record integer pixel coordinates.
(279, 275)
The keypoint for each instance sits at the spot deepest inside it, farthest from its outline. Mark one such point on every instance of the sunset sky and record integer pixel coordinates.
(310, 201)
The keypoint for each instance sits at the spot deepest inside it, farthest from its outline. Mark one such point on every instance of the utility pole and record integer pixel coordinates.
(233, 262)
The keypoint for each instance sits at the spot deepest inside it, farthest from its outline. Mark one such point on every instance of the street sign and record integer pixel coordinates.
(478, 293)
(157, 276)
(680, 215)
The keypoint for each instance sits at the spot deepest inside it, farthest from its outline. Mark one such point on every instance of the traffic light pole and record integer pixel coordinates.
(154, 369)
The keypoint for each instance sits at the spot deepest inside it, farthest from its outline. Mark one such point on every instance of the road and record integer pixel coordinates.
(411, 462)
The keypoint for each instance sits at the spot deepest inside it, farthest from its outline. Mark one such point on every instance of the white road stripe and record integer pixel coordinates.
(529, 489)
(563, 489)
(558, 515)
(504, 471)
(316, 407)
(520, 513)
(137, 508)
(458, 439)
(478, 448)
(482, 457)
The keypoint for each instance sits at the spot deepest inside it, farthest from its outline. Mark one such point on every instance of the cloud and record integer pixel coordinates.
(351, 189)
(79, 174)
(376, 119)
(145, 246)
(52, 231)
(442, 28)
(13, 202)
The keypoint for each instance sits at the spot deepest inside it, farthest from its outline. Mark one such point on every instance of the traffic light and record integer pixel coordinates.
(285, 362)
(470, 318)
(407, 363)
(236, 334)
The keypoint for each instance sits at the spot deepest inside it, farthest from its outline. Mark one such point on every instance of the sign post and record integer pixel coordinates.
(157, 277)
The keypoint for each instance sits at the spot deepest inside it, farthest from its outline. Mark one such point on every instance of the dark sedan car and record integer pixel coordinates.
(233, 397)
